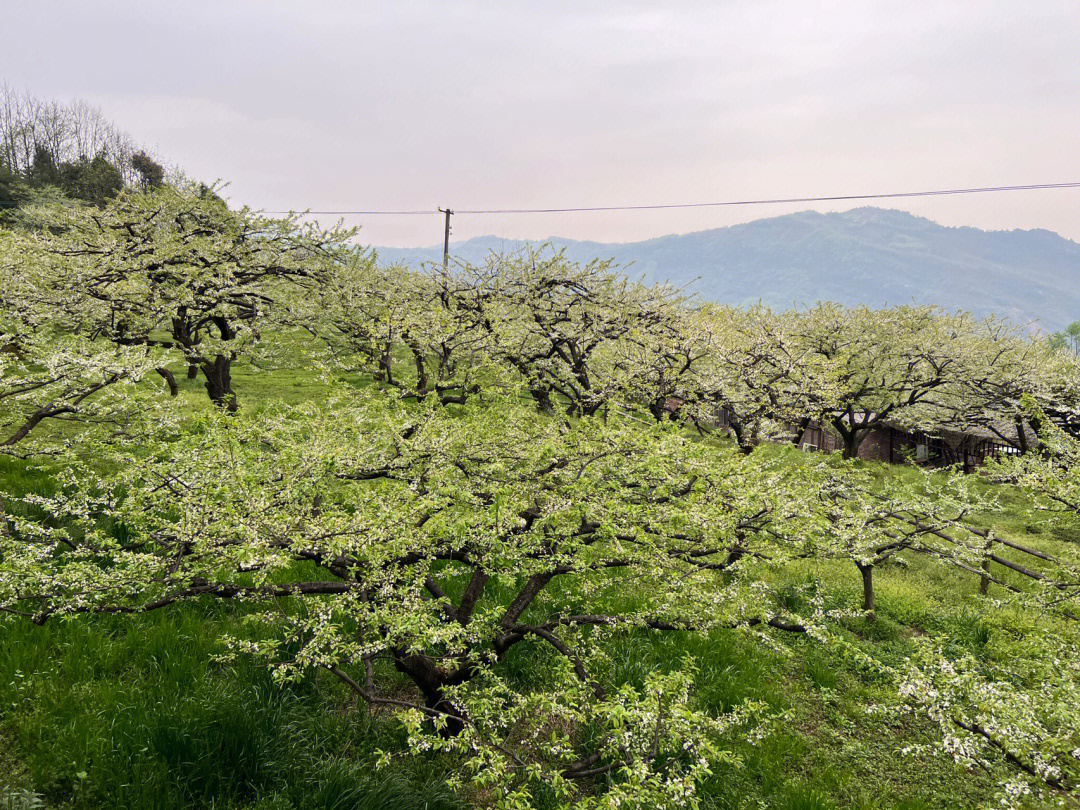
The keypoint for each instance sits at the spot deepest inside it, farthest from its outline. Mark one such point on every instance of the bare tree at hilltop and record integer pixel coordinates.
(68, 133)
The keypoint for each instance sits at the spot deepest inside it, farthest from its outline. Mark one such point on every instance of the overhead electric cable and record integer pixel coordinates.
(659, 206)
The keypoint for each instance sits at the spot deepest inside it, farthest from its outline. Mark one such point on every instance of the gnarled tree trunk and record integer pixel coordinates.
(867, 572)
(218, 376)
(170, 380)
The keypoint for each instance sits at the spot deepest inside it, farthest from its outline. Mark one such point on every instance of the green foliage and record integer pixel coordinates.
(11, 190)
(51, 148)
(170, 270)
(93, 180)
(477, 521)
(1067, 340)
(151, 173)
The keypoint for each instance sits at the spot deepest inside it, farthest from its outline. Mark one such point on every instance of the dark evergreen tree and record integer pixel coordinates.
(95, 181)
(43, 170)
(10, 191)
(151, 173)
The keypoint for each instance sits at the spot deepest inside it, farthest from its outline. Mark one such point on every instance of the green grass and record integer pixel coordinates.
(113, 713)
(134, 712)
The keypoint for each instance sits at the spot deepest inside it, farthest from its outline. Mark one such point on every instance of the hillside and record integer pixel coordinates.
(867, 255)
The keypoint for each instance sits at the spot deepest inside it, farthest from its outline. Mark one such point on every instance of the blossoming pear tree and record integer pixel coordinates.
(501, 488)
(376, 539)
(48, 375)
(171, 268)
(412, 330)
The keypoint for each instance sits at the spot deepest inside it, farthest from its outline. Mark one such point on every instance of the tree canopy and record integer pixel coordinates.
(522, 458)
(1067, 339)
(71, 148)
(169, 268)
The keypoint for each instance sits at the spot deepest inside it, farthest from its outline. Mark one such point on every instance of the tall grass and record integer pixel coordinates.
(135, 714)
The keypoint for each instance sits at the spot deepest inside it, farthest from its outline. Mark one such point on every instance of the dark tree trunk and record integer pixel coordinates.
(657, 409)
(183, 335)
(170, 380)
(455, 723)
(1021, 436)
(851, 447)
(867, 572)
(744, 441)
(851, 434)
(543, 400)
(430, 680)
(219, 382)
(851, 440)
(421, 369)
(386, 365)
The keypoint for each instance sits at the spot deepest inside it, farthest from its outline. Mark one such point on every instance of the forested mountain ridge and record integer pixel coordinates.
(867, 255)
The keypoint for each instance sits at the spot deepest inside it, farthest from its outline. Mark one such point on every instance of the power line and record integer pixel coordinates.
(660, 206)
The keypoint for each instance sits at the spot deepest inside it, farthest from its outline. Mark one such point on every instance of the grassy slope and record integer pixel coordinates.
(134, 713)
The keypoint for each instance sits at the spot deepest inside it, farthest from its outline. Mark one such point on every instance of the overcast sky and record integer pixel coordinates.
(406, 105)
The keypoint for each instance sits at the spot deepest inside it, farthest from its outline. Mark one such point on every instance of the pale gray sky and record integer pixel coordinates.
(548, 104)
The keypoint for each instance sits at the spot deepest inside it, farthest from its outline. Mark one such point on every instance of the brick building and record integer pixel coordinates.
(941, 448)
(898, 445)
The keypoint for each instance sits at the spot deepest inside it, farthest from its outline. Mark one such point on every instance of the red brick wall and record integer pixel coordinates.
(875, 447)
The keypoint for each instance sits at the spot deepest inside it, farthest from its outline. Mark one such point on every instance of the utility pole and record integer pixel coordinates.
(446, 239)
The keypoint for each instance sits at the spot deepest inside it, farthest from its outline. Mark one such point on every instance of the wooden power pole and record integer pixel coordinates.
(446, 238)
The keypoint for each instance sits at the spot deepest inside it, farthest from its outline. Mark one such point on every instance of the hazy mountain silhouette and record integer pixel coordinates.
(869, 256)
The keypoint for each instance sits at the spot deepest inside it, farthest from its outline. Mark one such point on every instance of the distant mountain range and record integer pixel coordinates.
(868, 256)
